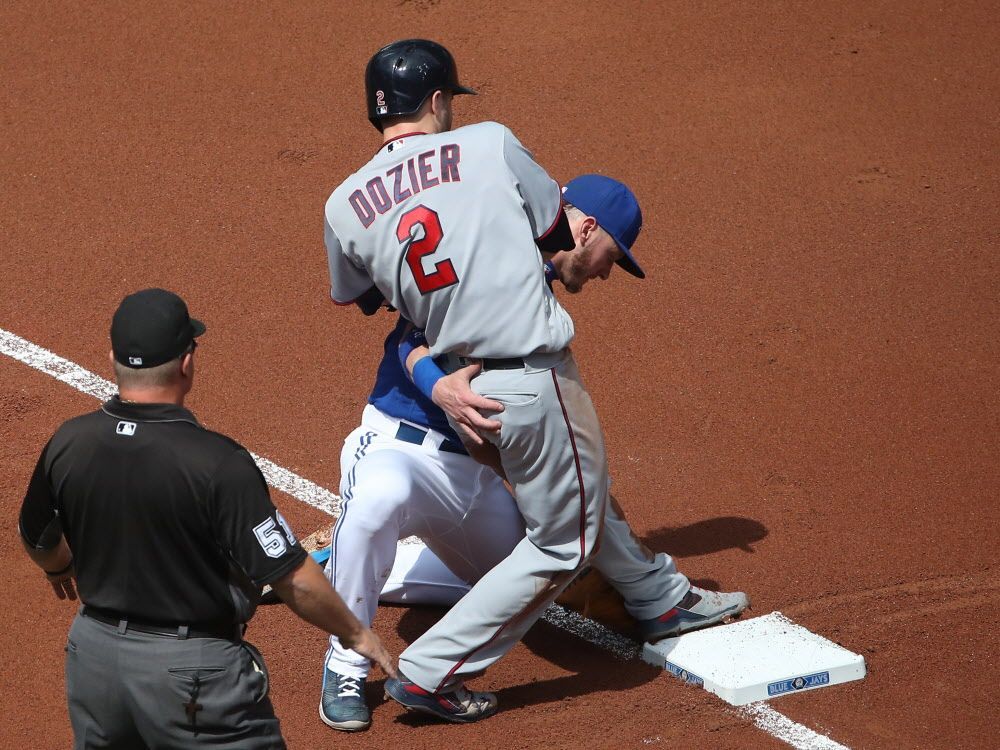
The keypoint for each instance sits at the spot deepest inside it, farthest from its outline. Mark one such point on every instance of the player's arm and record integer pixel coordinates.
(542, 198)
(308, 593)
(451, 393)
(552, 268)
(350, 284)
(42, 535)
(370, 301)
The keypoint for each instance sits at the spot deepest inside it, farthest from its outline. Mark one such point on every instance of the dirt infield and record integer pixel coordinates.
(800, 400)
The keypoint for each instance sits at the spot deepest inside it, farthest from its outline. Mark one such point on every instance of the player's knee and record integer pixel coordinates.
(377, 501)
(362, 529)
(572, 558)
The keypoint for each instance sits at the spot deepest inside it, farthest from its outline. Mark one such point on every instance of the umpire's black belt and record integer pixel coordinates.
(410, 434)
(226, 631)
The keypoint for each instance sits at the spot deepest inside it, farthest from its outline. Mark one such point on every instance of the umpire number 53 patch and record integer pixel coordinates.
(274, 541)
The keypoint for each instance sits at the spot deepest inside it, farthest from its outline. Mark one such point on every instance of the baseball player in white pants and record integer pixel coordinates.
(447, 226)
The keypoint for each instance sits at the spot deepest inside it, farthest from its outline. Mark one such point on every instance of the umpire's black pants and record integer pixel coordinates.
(137, 690)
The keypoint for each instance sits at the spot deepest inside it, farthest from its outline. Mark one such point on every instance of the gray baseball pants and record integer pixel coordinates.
(552, 451)
(137, 690)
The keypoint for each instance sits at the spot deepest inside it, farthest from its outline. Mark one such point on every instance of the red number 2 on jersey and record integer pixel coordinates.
(443, 274)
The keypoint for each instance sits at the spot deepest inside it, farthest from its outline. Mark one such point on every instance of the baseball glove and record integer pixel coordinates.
(591, 596)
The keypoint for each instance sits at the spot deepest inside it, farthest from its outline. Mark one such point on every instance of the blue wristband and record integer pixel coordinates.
(408, 343)
(425, 374)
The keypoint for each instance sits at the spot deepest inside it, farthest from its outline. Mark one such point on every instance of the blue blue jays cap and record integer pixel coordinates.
(615, 208)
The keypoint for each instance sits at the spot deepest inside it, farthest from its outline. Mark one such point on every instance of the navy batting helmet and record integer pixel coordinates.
(401, 76)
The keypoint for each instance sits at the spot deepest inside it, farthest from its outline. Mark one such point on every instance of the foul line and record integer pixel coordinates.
(760, 714)
(87, 382)
(778, 725)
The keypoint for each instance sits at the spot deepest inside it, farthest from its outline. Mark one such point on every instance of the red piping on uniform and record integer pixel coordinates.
(583, 528)
(465, 658)
(398, 137)
(535, 601)
(579, 471)
(555, 221)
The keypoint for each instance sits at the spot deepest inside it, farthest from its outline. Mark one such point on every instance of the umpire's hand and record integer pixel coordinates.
(370, 646)
(308, 593)
(62, 583)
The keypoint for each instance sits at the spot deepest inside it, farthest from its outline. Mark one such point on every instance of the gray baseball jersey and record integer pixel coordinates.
(445, 225)
(424, 212)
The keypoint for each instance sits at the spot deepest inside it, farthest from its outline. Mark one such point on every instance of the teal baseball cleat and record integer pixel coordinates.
(343, 703)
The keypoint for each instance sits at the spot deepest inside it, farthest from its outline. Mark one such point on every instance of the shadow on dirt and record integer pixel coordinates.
(593, 668)
(706, 537)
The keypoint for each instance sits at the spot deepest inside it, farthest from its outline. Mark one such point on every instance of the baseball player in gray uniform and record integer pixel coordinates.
(450, 227)
(404, 473)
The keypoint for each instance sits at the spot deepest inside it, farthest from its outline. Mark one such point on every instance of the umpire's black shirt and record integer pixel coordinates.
(168, 522)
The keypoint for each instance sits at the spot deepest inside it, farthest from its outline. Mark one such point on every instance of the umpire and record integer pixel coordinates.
(170, 533)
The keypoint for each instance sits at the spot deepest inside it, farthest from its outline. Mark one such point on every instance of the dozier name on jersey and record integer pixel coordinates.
(407, 179)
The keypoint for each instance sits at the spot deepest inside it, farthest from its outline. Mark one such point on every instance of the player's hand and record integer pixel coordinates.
(463, 406)
(370, 646)
(63, 585)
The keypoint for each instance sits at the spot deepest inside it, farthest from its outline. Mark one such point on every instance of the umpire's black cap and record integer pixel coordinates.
(152, 327)
(401, 76)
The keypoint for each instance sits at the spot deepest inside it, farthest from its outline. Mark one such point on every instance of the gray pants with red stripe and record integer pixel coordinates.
(553, 453)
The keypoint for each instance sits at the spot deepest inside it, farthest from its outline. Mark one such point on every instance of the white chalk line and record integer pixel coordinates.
(94, 385)
(780, 726)
(760, 714)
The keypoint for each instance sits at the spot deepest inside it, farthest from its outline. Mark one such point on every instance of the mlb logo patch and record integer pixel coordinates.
(126, 428)
(135, 361)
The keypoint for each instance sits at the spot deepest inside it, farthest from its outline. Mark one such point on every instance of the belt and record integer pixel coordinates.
(410, 434)
(226, 631)
(508, 363)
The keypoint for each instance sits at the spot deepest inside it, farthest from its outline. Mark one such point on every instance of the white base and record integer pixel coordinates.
(757, 659)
